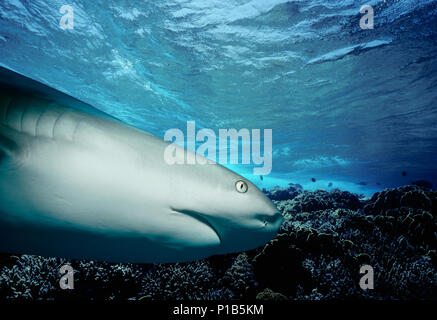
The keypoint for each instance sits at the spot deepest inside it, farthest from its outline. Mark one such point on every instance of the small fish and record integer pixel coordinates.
(313, 179)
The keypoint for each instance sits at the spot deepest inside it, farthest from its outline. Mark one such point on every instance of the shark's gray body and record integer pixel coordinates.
(77, 183)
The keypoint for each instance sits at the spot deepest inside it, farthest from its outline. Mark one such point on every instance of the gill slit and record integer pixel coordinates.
(56, 121)
(6, 114)
(37, 122)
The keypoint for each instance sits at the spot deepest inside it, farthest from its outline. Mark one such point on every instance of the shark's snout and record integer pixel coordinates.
(274, 221)
(268, 214)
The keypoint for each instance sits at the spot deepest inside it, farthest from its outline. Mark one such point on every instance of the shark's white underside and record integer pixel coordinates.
(77, 183)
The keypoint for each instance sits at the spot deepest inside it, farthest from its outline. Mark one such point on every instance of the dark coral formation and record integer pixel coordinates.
(325, 238)
(310, 201)
(268, 294)
(279, 194)
(423, 184)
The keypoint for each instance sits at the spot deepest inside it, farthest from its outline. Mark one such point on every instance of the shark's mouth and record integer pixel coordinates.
(200, 218)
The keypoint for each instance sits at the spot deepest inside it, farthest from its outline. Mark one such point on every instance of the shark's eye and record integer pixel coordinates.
(241, 186)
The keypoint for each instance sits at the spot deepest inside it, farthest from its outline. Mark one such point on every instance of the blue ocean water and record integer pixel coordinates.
(351, 108)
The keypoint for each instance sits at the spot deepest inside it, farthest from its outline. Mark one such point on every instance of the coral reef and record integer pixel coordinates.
(325, 238)
(423, 184)
(279, 194)
(179, 281)
(268, 294)
(309, 201)
(30, 277)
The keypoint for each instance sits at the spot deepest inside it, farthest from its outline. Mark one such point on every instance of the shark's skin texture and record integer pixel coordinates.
(79, 184)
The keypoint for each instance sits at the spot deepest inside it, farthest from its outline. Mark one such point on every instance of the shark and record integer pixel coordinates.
(77, 183)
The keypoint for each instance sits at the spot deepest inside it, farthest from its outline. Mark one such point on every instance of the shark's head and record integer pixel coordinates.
(235, 214)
